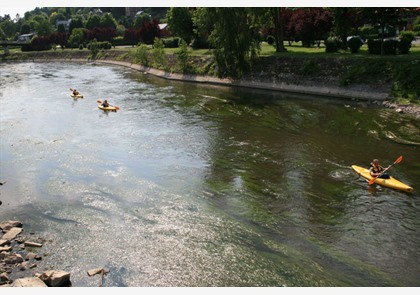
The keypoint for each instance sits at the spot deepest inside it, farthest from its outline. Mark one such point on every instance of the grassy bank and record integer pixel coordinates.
(397, 75)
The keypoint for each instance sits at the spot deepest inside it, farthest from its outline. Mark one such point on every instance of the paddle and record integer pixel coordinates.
(100, 101)
(399, 159)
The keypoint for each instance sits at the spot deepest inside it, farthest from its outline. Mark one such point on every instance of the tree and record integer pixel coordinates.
(140, 19)
(148, 31)
(384, 17)
(108, 21)
(345, 19)
(76, 22)
(180, 23)
(277, 14)
(310, 25)
(76, 37)
(41, 25)
(94, 21)
(233, 35)
(9, 28)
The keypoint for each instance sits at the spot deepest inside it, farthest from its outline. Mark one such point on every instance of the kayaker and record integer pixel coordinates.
(375, 170)
(105, 104)
(75, 92)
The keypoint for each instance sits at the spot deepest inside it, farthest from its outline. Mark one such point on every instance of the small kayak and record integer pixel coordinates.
(391, 182)
(110, 108)
(76, 96)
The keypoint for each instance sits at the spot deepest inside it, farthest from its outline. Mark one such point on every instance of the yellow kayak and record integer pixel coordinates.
(391, 182)
(110, 108)
(76, 96)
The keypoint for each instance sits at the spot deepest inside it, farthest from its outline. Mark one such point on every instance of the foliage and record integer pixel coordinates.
(171, 42)
(354, 44)
(308, 67)
(332, 45)
(99, 45)
(140, 55)
(180, 23)
(40, 43)
(140, 19)
(270, 40)
(406, 80)
(183, 56)
(108, 21)
(76, 22)
(94, 21)
(77, 36)
(407, 35)
(148, 31)
(93, 46)
(310, 24)
(159, 56)
(234, 37)
(404, 46)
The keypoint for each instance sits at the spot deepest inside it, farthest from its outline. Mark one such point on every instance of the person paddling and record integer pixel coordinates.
(75, 92)
(376, 170)
(105, 104)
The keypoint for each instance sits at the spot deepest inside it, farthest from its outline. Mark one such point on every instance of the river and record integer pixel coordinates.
(199, 185)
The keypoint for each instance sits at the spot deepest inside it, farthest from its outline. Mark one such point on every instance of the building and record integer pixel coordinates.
(65, 23)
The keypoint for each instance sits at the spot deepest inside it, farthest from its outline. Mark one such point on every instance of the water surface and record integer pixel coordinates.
(197, 185)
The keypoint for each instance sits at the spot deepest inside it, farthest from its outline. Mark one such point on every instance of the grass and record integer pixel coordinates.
(296, 49)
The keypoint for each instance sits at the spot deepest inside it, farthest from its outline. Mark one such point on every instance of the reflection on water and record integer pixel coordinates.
(191, 185)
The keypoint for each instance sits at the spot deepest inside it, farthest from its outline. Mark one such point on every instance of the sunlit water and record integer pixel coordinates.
(197, 185)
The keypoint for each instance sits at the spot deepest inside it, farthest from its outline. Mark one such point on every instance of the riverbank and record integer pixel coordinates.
(274, 74)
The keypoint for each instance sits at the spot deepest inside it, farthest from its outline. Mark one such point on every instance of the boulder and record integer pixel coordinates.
(56, 278)
(12, 233)
(8, 224)
(28, 282)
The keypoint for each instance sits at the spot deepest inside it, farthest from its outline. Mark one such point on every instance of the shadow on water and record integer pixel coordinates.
(210, 186)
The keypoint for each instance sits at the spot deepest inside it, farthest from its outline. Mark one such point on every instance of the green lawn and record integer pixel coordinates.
(296, 49)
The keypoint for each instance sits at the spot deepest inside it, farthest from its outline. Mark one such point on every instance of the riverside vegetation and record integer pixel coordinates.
(355, 76)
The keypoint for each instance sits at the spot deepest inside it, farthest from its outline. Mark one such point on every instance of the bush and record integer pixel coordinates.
(332, 45)
(407, 35)
(404, 46)
(81, 46)
(159, 57)
(270, 40)
(390, 46)
(119, 41)
(374, 46)
(171, 42)
(354, 44)
(182, 59)
(140, 55)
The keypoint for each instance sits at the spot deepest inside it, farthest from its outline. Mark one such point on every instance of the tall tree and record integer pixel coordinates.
(180, 23)
(233, 35)
(278, 19)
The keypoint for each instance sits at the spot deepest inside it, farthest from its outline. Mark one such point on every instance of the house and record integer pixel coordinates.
(65, 23)
(25, 37)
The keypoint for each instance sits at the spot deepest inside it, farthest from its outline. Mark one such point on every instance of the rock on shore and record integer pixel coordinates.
(18, 264)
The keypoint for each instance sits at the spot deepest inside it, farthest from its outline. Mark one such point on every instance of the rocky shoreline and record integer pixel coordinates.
(19, 259)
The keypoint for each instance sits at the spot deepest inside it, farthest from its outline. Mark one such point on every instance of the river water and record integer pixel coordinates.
(198, 185)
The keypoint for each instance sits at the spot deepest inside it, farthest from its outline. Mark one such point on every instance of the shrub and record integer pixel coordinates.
(182, 56)
(159, 57)
(374, 46)
(354, 44)
(407, 35)
(171, 42)
(332, 45)
(404, 46)
(81, 46)
(140, 55)
(270, 40)
(390, 46)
